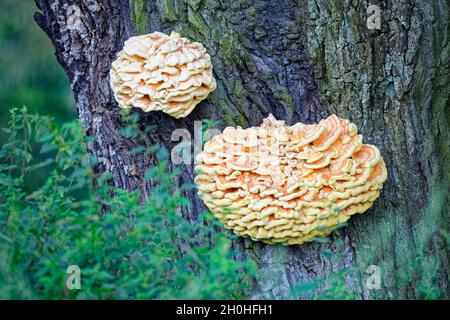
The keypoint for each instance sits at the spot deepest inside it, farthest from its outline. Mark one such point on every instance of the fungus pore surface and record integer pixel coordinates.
(289, 184)
(160, 72)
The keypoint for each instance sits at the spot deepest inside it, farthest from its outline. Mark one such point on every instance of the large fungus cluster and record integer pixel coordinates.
(160, 72)
(289, 184)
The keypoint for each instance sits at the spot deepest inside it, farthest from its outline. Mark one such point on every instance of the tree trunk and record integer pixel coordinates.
(301, 61)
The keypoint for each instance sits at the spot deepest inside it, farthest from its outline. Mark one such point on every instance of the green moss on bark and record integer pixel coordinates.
(169, 10)
(139, 15)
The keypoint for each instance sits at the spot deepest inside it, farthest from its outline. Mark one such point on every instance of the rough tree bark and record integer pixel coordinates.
(300, 60)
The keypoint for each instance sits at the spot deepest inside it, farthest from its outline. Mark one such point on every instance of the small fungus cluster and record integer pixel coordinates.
(160, 72)
(289, 184)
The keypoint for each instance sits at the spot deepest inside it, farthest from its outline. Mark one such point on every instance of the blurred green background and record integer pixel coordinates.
(30, 74)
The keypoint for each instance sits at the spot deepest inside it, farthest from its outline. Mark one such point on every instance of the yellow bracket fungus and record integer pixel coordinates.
(160, 72)
(289, 184)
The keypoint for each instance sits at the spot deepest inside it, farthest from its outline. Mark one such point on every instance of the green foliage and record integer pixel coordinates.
(30, 74)
(125, 249)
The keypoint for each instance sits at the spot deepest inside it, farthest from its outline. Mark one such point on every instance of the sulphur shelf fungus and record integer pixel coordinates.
(160, 72)
(289, 184)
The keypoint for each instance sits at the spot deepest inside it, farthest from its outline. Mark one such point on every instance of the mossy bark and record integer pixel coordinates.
(300, 60)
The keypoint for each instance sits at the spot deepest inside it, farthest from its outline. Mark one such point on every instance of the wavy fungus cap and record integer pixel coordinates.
(160, 72)
(289, 184)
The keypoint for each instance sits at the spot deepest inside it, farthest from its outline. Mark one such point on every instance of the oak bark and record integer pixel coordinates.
(301, 61)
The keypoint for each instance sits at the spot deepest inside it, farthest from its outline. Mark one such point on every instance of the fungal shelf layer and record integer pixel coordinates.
(160, 72)
(289, 184)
